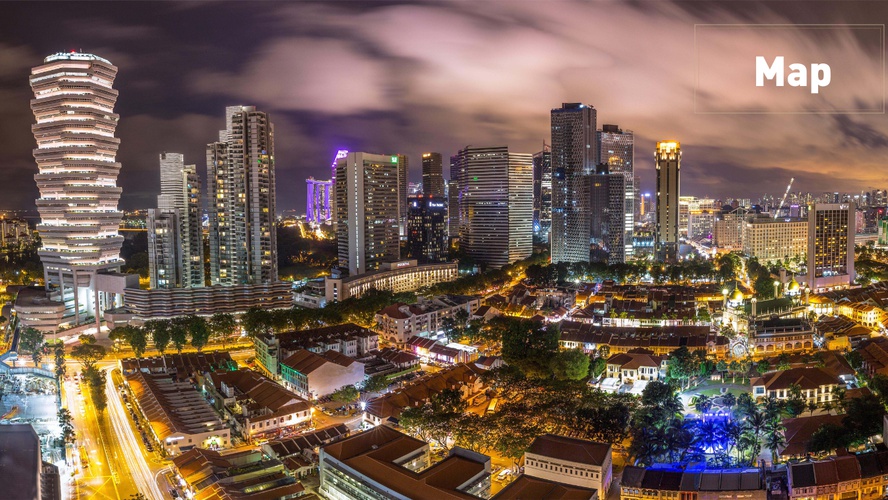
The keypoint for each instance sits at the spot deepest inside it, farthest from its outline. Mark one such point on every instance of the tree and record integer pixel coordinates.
(827, 438)
(703, 403)
(179, 332)
(474, 432)
(199, 329)
(879, 384)
(88, 354)
(96, 382)
(434, 420)
(763, 367)
(376, 383)
(136, 337)
(458, 328)
(60, 368)
(66, 423)
(256, 321)
(571, 364)
(31, 341)
(729, 400)
(812, 407)
(774, 438)
(783, 362)
(223, 326)
(855, 360)
(346, 394)
(529, 345)
(597, 367)
(863, 418)
(682, 365)
(795, 403)
(160, 333)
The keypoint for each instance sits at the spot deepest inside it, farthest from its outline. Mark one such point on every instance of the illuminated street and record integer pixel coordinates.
(117, 464)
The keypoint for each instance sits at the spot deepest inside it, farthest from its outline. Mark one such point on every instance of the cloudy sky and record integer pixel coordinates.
(393, 77)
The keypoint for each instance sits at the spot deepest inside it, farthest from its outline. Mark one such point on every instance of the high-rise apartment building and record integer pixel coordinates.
(403, 169)
(241, 190)
(831, 229)
(317, 201)
(574, 157)
(667, 159)
(607, 204)
(433, 175)
(366, 210)
(427, 229)
(175, 244)
(770, 240)
(617, 150)
(496, 200)
(77, 178)
(542, 193)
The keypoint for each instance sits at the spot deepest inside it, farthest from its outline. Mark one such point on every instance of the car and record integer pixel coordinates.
(174, 493)
(504, 474)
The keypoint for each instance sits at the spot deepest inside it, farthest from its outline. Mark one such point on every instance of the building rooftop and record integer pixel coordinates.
(374, 454)
(526, 487)
(805, 377)
(242, 474)
(184, 365)
(173, 407)
(570, 449)
(267, 396)
(799, 431)
(305, 362)
(19, 461)
(665, 477)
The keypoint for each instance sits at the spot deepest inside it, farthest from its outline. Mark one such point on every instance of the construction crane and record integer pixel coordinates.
(780, 207)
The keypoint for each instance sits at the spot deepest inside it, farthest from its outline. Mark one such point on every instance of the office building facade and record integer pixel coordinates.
(607, 216)
(496, 199)
(617, 150)
(403, 169)
(667, 159)
(574, 156)
(427, 229)
(831, 230)
(454, 217)
(241, 190)
(76, 152)
(367, 210)
(433, 175)
(175, 243)
(542, 193)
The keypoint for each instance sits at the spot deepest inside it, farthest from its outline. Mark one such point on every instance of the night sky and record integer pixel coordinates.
(436, 76)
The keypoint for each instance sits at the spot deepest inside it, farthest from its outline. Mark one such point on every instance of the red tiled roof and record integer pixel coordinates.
(570, 449)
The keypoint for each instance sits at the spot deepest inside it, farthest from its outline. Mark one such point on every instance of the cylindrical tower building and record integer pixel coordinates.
(77, 176)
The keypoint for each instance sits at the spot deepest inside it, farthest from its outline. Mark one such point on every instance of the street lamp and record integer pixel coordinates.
(776, 285)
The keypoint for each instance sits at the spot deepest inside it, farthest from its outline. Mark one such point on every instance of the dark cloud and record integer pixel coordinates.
(860, 134)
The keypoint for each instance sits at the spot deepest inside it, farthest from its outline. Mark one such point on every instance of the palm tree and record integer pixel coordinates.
(703, 403)
(729, 400)
(747, 441)
(774, 439)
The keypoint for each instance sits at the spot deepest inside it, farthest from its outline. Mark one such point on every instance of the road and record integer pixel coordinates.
(118, 467)
(104, 476)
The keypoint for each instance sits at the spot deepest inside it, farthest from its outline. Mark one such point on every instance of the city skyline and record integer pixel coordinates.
(413, 100)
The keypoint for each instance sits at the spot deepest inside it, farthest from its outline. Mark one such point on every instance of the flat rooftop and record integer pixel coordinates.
(19, 461)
